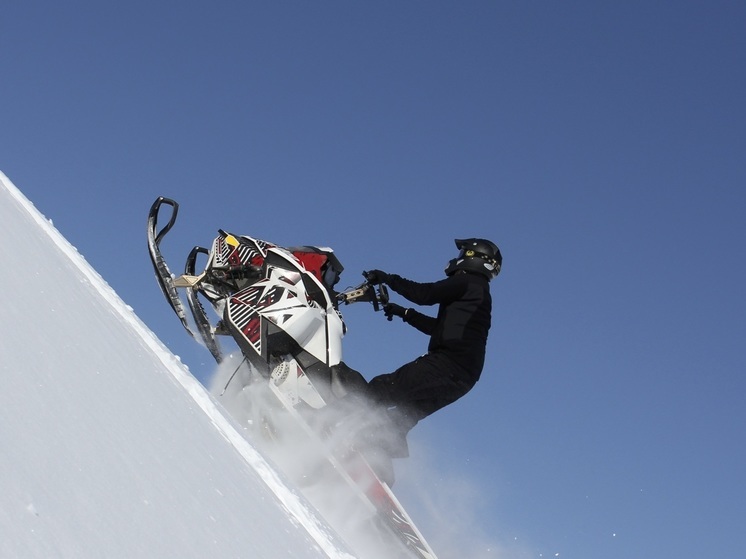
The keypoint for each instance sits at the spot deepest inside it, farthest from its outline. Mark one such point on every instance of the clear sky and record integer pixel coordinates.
(600, 145)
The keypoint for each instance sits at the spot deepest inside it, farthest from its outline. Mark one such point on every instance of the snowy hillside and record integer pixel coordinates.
(109, 447)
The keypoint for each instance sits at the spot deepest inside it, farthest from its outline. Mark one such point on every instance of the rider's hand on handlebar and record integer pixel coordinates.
(392, 309)
(376, 277)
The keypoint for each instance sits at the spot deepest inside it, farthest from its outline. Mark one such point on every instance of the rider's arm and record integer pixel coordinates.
(443, 291)
(423, 323)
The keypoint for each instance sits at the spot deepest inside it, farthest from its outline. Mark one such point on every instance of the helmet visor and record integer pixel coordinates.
(471, 253)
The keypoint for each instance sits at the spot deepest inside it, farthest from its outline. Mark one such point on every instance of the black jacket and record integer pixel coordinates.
(464, 316)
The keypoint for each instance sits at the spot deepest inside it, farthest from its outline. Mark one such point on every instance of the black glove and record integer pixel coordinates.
(392, 309)
(376, 276)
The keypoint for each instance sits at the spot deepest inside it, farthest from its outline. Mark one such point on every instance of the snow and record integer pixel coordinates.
(110, 447)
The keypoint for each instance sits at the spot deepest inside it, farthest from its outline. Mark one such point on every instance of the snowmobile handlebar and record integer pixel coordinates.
(378, 295)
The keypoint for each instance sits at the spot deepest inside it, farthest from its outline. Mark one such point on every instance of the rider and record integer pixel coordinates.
(458, 338)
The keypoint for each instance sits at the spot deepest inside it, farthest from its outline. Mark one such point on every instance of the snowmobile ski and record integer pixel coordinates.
(169, 284)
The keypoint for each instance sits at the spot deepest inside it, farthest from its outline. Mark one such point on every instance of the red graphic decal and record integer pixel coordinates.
(234, 259)
(252, 330)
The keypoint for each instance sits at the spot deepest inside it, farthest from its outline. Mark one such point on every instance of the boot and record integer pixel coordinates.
(346, 381)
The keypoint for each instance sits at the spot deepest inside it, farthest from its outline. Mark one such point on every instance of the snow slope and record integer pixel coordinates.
(110, 448)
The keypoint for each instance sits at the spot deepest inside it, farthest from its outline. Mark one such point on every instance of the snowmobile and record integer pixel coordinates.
(280, 307)
(278, 304)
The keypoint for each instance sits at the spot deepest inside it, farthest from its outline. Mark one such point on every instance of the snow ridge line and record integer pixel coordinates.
(297, 509)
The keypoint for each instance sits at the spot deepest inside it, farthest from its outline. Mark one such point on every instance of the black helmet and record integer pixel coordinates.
(476, 255)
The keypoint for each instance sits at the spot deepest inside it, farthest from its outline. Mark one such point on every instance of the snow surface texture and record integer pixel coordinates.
(110, 448)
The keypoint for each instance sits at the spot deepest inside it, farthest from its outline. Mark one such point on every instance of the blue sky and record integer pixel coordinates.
(601, 146)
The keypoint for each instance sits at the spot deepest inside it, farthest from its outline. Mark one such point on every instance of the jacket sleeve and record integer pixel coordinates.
(423, 323)
(443, 291)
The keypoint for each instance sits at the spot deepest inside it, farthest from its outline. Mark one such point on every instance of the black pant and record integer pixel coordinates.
(420, 388)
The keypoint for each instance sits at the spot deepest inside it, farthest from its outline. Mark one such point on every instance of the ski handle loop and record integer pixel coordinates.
(190, 267)
(201, 320)
(166, 282)
(154, 216)
(163, 274)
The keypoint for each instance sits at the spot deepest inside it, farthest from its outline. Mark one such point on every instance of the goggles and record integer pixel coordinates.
(471, 253)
